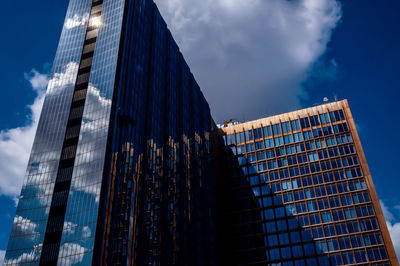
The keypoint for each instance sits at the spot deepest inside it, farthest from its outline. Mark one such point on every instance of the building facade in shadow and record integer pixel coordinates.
(300, 192)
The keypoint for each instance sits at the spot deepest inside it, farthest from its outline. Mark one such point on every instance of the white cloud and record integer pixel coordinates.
(28, 257)
(37, 80)
(69, 249)
(2, 254)
(393, 227)
(23, 225)
(76, 21)
(251, 57)
(16, 143)
(388, 215)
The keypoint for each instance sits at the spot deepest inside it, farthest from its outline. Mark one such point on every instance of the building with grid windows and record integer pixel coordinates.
(300, 193)
(120, 171)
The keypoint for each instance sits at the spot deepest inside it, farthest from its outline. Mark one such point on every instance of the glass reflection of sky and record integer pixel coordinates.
(32, 212)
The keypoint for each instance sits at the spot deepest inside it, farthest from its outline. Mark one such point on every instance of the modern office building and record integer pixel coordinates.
(300, 192)
(120, 171)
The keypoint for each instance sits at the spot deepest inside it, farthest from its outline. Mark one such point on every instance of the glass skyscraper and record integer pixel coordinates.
(120, 171)
(299, 192)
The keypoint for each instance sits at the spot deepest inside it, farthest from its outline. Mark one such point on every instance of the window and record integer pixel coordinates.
(270, 154)
(337, 115)
(341, 229)
(353, 227)
(286, 253)
(333, 245)
(267, 131)
(326, 217)
(349, 213)
(274, 253)
(361, 256)
(283, 239)
(315, 219)
(288, 139)
(340, 128)
(312, 206)
(312, 157)
(310, 145)
(273, 240)
(317, 232)
(301, 208)
(331, 141)
(317, 132)
(297, 251)
(310, 194)
(272, 164)
(278, 141)
(338, 215)
(318, 179)
(290, 150)
(300, 148)
(304, 122)
(324, 118)
(262, 167)
(259, 145)
(280, 151)
(249, 135)
(346, 200)
(230, 139)
(323, 204)
(295, 125)
(314, 120)
(320, 191)
(308, 135)
(357, 185)
(348, 258)
(282, 162)
(250, 147)
(276, 129)
(292, 160)
(271, 227)
(327, 130)
(260, 156)
(257, 133)
(321, 143)
(309, 249)
(298, 137)
(269, 143)
(286, 127)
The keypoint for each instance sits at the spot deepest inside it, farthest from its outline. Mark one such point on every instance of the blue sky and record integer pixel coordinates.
(349, 49)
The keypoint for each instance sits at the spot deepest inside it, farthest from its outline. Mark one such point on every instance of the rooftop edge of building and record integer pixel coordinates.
(292, 115)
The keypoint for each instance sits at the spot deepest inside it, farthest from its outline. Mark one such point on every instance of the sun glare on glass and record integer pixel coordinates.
(96, 21)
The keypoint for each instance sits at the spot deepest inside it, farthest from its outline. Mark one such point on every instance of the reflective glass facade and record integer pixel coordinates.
(301, 193)
(120, 171)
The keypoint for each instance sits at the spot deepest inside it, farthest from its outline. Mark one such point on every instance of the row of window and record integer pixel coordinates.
(290, 149)
(359, 256)
(300, 158)
(286, 127)
(297, 170)
(331, 245)
(292, 138)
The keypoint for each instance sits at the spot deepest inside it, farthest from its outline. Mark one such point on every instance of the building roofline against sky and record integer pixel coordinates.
(319, 109)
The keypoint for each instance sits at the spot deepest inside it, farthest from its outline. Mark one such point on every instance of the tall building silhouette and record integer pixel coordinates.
(120, 171)
(300, 192)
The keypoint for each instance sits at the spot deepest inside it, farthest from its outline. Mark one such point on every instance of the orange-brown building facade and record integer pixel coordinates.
(300, 192)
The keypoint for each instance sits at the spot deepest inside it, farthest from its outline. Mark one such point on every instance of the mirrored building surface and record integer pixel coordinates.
(120, 171)
(300, 192)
